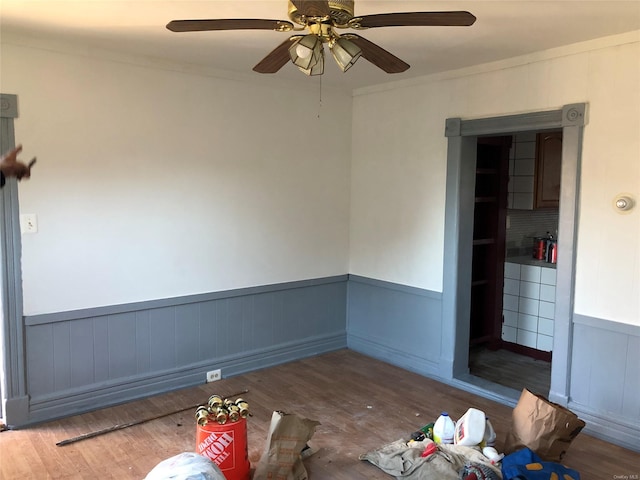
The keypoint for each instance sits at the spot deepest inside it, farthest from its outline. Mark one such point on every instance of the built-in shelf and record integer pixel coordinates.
(486, 171)
(484, 241)
(490, 196)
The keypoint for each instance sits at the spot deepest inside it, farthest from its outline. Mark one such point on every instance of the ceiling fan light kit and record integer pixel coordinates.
(321, 18)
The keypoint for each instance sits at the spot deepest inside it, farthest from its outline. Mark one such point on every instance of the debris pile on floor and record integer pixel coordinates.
(539, 438)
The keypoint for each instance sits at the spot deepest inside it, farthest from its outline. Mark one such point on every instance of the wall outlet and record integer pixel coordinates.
(214, 375)
(28, 223)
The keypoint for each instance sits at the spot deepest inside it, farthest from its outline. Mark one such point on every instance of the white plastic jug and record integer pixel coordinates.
(444, 429)
(470, 428)
(489, 438)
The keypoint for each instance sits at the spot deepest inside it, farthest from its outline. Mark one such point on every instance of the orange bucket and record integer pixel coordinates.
(226, 446)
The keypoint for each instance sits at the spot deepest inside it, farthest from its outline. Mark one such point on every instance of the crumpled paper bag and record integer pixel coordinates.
(281, 460)
(543, 426)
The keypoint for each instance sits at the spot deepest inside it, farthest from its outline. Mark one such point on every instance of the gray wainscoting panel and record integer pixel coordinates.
(395, 323)
(83, 360)
(605, 379)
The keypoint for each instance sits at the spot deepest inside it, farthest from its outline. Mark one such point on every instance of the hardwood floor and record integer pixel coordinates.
(510, 369)
(361, 403)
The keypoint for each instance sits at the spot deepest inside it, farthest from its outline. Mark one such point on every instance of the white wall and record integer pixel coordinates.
(155, 183)
(399, 165)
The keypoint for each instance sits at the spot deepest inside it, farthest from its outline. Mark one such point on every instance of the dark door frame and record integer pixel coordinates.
(461, 157)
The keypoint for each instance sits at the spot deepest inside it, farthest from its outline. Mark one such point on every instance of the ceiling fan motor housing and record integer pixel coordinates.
(341, 11)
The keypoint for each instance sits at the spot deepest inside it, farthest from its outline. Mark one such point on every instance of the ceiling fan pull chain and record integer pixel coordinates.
(320, 99)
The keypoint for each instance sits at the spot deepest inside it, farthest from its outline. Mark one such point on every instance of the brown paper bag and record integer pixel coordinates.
(281, 460)
(543, 426)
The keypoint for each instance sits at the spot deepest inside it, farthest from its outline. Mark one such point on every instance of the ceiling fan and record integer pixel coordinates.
(321, 19)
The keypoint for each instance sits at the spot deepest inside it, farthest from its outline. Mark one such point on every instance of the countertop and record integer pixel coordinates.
(529, 260)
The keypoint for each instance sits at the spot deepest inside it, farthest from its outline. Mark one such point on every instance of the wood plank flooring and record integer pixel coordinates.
(361, 403)
(510, 369)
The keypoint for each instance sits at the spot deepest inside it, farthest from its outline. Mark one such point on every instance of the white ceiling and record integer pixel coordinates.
(504, 29)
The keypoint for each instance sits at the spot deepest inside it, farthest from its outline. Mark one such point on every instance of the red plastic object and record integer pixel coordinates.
(431, 448)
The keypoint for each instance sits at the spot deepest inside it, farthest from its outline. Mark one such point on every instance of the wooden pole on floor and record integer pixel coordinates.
(131, 424)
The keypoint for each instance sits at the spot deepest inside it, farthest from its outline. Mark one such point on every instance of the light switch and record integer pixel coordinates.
(29, 223)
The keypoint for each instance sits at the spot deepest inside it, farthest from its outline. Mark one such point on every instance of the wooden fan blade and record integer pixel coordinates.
(278, 57)
(229, 24)
(378, 55)
(312, 8)
(414, 19)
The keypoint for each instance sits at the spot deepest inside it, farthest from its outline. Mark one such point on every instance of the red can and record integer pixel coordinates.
(540, 248)
(226, 446)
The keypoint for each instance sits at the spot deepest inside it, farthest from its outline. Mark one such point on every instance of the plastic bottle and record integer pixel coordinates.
(489, 439)
(492, 454)
(444, 429)
(470, 428)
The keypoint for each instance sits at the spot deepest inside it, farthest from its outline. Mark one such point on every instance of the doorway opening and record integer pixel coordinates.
(465, 147)
(517, 198)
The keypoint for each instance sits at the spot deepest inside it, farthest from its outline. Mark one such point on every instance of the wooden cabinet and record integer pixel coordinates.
(548, 169)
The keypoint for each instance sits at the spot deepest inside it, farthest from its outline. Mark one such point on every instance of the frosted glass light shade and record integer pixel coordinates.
(305, 53)
(345, 53)
(318, 67)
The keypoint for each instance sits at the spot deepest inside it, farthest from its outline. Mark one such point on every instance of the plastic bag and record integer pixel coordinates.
(185, 466)
(525, 463)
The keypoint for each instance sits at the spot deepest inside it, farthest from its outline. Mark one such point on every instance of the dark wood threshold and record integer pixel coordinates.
(528, 351)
